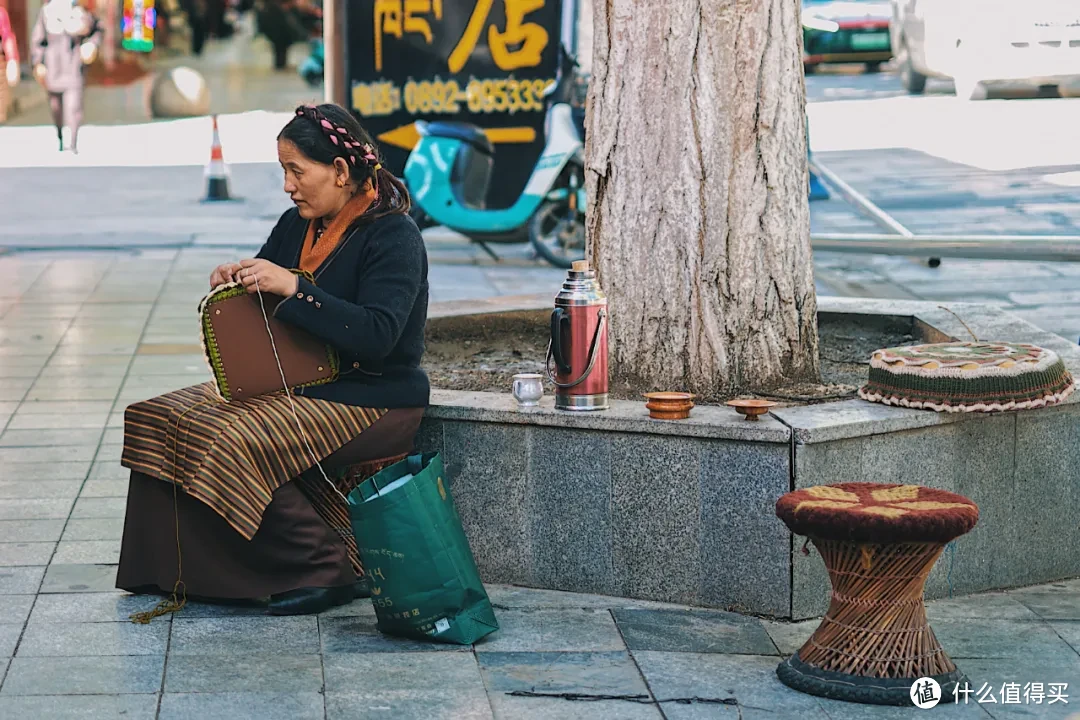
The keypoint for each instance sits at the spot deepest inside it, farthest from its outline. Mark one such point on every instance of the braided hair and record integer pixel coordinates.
(326, 132)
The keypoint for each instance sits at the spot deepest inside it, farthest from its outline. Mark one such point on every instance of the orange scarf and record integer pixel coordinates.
(314, 254)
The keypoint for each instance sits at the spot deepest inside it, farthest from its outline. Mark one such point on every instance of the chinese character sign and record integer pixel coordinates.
(486, 62)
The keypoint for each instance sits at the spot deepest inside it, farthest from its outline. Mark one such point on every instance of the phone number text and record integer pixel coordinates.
(447, 97)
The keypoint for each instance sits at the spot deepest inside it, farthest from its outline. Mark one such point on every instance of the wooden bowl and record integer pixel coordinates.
(751, 407)
(669, 405)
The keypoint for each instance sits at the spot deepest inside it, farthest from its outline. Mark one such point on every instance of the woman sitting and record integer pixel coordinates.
(223, 497)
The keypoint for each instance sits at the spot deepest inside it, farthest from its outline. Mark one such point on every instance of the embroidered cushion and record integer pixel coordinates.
(878, 513)
(967, 377)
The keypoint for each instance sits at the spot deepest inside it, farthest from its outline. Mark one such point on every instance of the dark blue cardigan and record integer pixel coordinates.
(369, 301)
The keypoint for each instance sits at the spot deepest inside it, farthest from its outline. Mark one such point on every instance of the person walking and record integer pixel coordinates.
(65, 40)
(9, 63)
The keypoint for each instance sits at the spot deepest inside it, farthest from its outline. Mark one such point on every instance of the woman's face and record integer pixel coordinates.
(311, 185)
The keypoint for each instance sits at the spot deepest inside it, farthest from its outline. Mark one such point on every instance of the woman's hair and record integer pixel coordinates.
(325, 132)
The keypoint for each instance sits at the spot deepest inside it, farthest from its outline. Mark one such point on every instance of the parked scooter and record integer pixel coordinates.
(449, 171)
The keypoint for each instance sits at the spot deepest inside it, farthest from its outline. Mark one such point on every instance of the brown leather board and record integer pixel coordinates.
(247, 355)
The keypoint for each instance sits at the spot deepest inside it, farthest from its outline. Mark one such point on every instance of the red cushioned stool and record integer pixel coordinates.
(878, 543)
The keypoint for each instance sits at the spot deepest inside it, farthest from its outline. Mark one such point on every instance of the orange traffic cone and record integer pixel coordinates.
(217, 173)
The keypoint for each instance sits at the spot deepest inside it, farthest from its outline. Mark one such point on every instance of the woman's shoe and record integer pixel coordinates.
(309, 601)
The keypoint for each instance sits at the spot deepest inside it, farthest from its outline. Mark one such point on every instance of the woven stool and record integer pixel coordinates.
(878, 543)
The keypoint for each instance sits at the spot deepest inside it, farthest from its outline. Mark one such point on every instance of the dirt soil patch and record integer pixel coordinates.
(484, 352)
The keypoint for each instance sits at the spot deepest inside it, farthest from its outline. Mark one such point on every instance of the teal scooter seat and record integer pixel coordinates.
(465, 132)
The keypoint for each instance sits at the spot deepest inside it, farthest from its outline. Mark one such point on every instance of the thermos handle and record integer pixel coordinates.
(602, 315)
(559, 320)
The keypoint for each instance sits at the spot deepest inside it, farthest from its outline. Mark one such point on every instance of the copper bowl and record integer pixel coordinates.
(751, 407)
(669, 405)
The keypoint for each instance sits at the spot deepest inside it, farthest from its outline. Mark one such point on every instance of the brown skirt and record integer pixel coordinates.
(294, 545)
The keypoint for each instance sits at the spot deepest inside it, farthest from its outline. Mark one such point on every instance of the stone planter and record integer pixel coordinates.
(617, 503)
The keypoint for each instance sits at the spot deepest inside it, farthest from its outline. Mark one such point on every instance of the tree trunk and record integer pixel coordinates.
(696, 173)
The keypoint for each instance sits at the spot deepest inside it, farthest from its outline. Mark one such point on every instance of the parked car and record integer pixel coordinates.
(845, 31)
(982, 42)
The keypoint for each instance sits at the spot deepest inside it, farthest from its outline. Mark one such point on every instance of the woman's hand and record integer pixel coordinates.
(40, 72)
(271, 278)
(224, 273)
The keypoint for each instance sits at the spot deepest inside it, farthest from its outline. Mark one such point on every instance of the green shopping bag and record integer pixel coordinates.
(424, 581)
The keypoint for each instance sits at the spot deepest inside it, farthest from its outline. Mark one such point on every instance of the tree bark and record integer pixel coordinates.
(696, 173)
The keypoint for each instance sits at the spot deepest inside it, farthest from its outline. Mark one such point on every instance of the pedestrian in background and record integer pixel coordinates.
(9, 62)
(65, 40)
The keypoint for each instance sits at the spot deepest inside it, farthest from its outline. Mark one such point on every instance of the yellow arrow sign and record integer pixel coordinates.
(407, 136)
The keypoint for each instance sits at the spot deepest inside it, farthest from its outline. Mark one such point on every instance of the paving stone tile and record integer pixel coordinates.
(68, 453)
(238, 635)
(84, 675)
(9, 638)
(89, 407)
(414, 704)
(242, 706)
(113, 436)
(245, 672)
(988, 638)
(359, 607)
(19, 509)
(94, 508)
(196, 610)
(789, 637)
(607, 673)
(108, 470)
(358, 635)
(109, 453)
(62, 578)
(50, 438)
(747, 678)
(695, 631)
(93, 529)
(26, 553)
(30, 530)
(505, 597)
(999, 606)
(79, 707)
(105, 488)
(553, 630)
(15, 608)
(947, 709)
(94, 552)
(91, 607)
(1051, 602)
(20, 580)
(391, 671)
(988, 677)
(60, 471)
(101, 638)
(39, 489)
(1069, 631)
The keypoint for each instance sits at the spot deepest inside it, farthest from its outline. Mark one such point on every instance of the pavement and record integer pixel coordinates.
(85, 332)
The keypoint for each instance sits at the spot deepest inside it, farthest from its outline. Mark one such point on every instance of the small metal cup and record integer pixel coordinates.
(528, 388)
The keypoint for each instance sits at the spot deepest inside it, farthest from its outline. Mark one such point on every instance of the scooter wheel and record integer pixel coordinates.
(558, 233)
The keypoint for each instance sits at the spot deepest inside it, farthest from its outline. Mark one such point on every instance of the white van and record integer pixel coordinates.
(980, 42)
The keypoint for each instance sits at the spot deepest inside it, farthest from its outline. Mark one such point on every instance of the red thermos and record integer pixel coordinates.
(578, 343)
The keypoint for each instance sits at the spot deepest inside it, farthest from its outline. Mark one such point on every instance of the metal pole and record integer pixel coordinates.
(861, 202)
(334, 82)
(1038, 248)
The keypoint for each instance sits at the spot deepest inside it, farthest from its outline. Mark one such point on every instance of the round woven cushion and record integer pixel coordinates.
(967, 377)
(880, 513)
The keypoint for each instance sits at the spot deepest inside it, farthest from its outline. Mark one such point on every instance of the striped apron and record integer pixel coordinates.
(234, 455)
